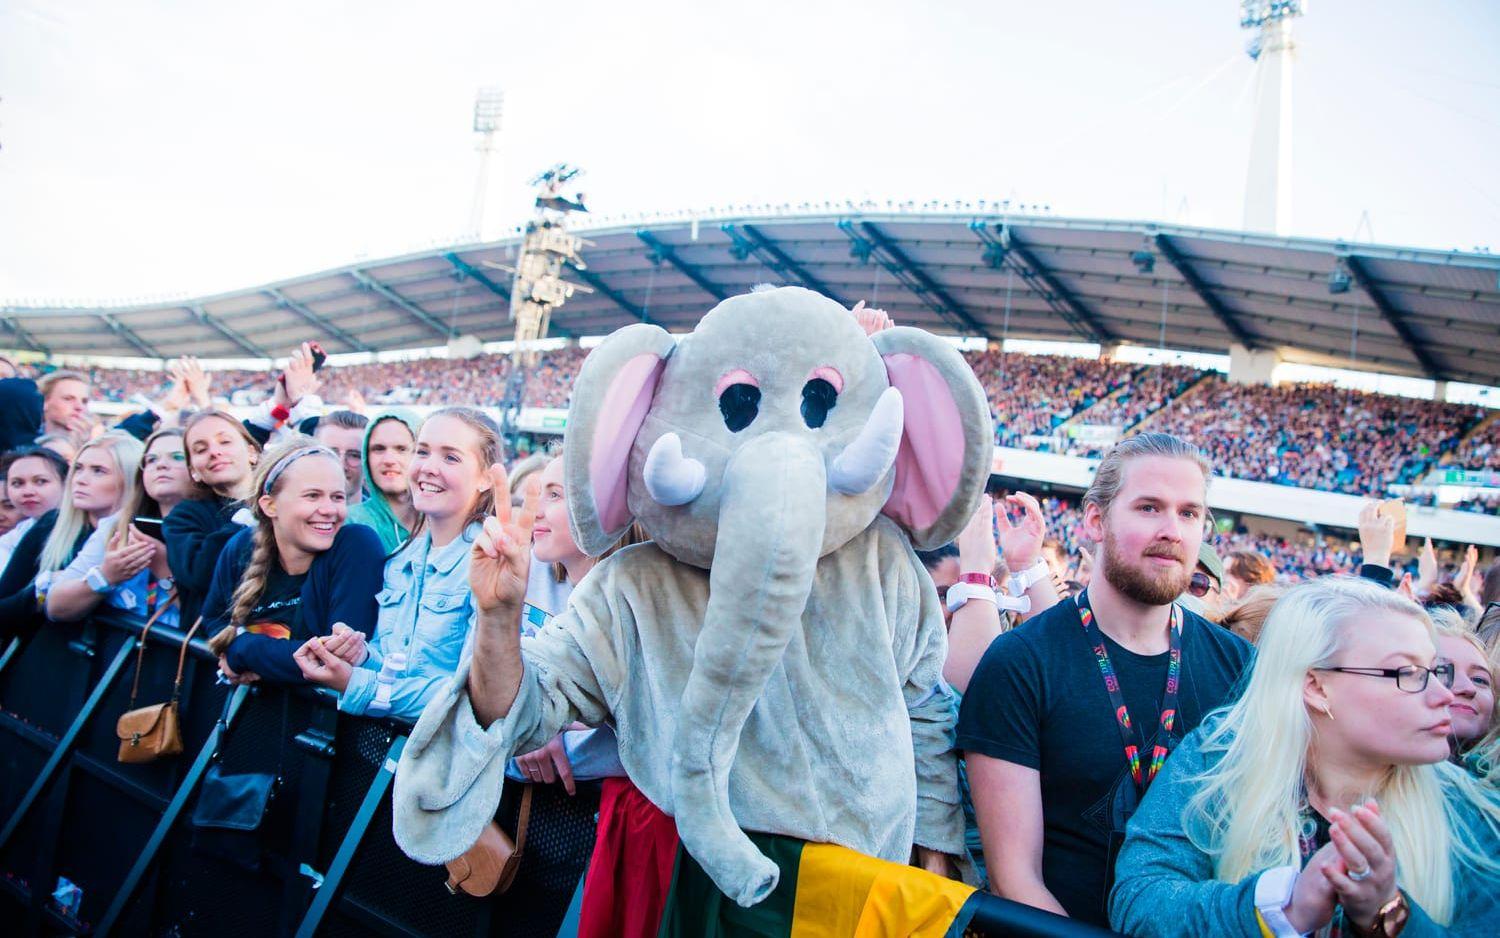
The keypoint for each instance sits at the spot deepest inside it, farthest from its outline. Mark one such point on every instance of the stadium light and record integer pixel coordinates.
(488, 105)
(1338, 281)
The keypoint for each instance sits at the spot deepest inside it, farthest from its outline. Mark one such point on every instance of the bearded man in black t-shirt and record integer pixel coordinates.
(1068, 717)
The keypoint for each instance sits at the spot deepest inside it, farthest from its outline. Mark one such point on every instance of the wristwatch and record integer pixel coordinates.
(166, 584)
(1389, 921)
(96, 581)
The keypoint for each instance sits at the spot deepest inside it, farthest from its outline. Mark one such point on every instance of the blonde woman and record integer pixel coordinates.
(297, 572)
(1322, 801)
(1473, 707)
(124, 562)
(99, 482)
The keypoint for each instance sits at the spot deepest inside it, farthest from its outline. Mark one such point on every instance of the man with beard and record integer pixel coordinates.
(1069, 717)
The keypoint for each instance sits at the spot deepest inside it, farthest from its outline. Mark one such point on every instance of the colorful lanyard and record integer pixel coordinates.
(1128, 733)
(151, 594)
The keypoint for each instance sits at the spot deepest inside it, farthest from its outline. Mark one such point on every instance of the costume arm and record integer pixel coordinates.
(449, 781)
(921, 648)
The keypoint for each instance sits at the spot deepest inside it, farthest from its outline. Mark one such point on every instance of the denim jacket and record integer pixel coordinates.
(1165, 884)
(426, 611)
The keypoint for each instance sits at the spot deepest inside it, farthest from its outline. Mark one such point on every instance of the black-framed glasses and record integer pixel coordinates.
(1200, 584)
(1412, 678)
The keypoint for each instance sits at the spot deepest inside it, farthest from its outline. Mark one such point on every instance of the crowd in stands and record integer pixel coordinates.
(356, 551)
(1030, 395)
(1317, 436)
(1313, 436)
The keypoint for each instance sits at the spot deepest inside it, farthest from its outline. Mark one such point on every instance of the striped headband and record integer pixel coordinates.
(292, 457)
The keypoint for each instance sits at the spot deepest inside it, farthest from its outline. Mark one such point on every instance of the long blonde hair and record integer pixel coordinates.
(263, 552)
(71, 522)
(1247, 812)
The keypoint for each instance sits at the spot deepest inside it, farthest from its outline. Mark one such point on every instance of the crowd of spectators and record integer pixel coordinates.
(1313, 436)
(1317, 436)
(1030, 395)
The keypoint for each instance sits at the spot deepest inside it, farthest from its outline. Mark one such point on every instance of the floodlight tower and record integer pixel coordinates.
(1268, 187)
(488, 105)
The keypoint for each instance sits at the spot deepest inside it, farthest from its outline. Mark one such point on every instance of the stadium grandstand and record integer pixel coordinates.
(399, 330)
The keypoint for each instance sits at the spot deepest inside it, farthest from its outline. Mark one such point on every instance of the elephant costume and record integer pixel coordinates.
(772, 660)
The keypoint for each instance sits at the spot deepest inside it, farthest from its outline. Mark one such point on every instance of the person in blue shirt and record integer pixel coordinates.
(426, 608)
(298, 571)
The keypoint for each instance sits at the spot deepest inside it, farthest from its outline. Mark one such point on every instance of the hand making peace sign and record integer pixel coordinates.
(501, 558)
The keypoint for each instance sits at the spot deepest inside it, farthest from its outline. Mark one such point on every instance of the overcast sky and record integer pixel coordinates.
(154, 147)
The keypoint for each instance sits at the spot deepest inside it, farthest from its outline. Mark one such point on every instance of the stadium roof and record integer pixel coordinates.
(1407, 311)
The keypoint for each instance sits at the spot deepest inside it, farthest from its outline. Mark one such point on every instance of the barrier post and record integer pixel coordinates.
(169, 817)
(334, 878)
(317, 742)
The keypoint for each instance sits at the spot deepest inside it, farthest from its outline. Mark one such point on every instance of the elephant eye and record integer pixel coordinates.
(739, 403)
(818, 398)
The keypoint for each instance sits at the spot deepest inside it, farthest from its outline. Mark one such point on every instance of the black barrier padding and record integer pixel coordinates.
(98, 814)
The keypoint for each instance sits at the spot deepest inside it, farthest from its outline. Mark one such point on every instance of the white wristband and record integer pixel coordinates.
(1273, 892)
(960, 593)
(1032, 575)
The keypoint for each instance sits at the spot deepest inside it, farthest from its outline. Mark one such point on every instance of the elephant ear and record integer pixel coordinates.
(947, 440)
(611, 397)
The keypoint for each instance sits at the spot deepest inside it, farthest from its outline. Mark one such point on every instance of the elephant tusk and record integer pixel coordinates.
(870, 455)
(672, 478)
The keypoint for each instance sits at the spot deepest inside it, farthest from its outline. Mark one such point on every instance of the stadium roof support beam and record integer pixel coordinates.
(615, 296)
(411, 309)
(661, 252)
(128, 334)
(286, 302)
(1206, 293)
(751, 241)
(1361, 276)
(15, 328)
(1059, 297)
(871, 241)
(480, 277)
(201, 314)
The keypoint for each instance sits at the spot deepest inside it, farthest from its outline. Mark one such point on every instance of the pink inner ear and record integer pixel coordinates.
(620, 418)
(931, 457)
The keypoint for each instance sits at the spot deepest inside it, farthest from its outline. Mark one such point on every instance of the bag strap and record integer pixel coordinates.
(140, 655)
(522, 819)
(182, 657)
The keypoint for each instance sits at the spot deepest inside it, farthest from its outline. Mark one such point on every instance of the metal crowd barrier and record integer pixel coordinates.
(120, 833)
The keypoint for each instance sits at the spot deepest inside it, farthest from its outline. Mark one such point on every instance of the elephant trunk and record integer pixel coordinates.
(771, 521)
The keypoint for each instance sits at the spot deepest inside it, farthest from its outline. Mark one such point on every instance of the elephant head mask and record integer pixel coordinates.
(766, 439)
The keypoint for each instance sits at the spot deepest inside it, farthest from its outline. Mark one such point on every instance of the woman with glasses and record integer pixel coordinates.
(1322, 801)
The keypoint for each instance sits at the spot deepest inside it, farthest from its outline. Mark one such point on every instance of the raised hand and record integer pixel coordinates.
(1021, 543)
(299, 379)
(1377, 533)
(1427, 568)
(871, 320)
(196, 380)
(501, 557)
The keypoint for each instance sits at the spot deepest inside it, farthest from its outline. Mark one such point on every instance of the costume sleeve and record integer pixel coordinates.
(1164, 883)
(931, 706)
(452, 770)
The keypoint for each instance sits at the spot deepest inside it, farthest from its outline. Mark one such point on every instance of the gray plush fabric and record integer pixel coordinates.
(827, 754)
(773, 661)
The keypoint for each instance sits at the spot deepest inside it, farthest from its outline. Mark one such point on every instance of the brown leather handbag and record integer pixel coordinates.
(490, 865)
(150, 733)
